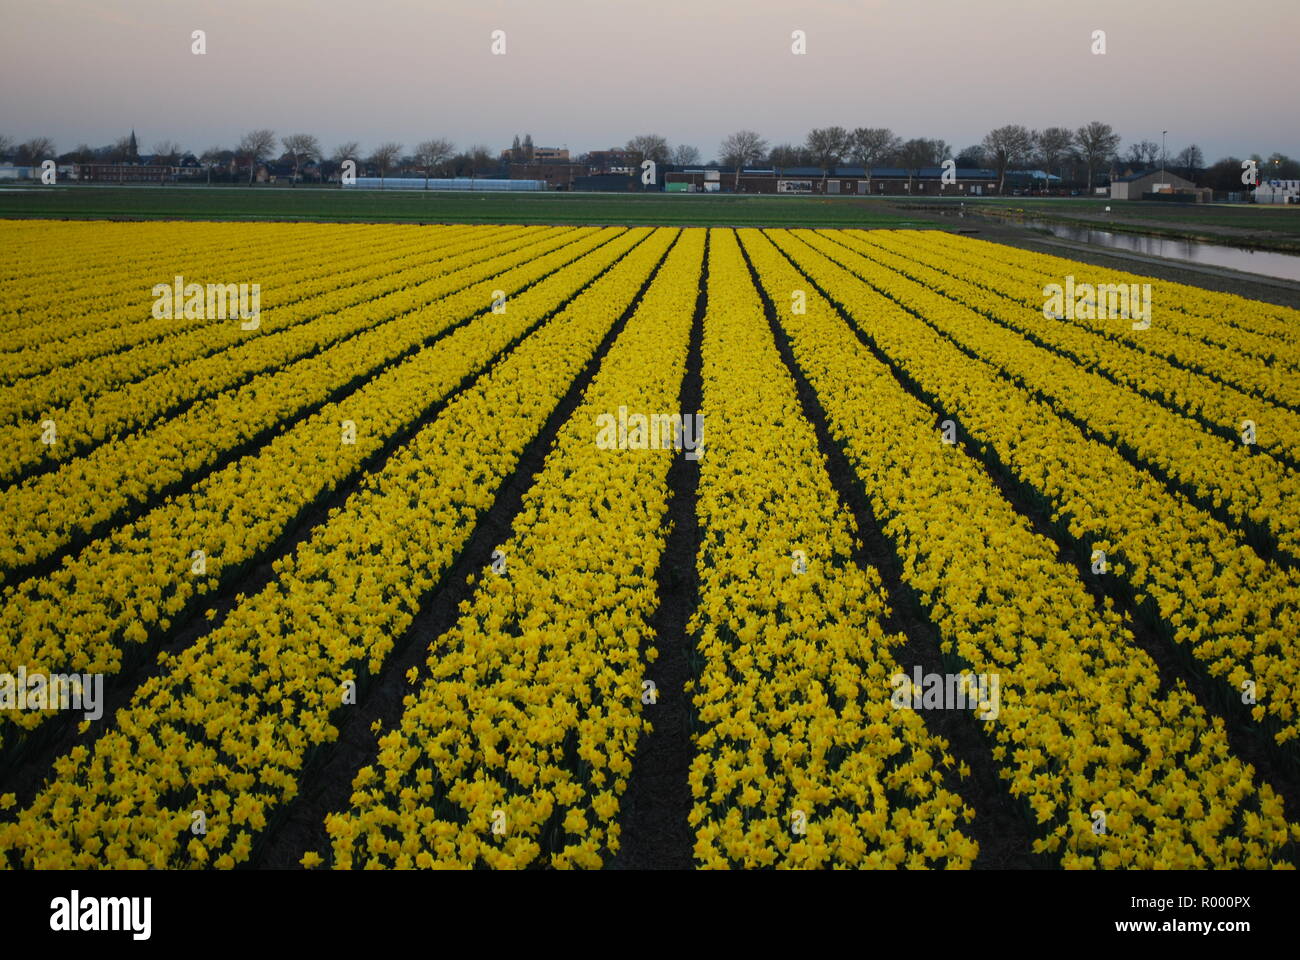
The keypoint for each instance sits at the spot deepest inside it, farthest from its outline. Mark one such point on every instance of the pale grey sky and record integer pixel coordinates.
(591, 73)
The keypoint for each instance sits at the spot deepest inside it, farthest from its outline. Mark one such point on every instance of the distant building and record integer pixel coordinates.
(610, 161)
(540, 155)
(1154, 184)
(841, 181)
(1278, 191)
(558, 174)
(125, 172)
(613, 183)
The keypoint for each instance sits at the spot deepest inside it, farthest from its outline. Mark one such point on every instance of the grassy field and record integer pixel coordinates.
(305, 203)
(1271, 227)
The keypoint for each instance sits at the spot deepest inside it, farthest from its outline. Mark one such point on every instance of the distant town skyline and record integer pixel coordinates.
(588, 75)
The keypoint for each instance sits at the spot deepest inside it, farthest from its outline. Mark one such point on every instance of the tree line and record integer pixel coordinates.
(1076, 156)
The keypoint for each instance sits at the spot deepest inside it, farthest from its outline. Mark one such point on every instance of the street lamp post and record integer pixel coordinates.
(1162, 156)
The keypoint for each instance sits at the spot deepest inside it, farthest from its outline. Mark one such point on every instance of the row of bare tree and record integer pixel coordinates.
(1002, 149)
(302, 148)
(1092, 146)
(1086, 150)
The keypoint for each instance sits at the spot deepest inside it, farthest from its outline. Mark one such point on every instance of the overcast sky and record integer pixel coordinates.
(589, 74)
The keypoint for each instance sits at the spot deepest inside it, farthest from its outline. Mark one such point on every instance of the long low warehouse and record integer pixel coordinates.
(442, 183)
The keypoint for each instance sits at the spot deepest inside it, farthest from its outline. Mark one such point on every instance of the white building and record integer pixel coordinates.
(1278, 191)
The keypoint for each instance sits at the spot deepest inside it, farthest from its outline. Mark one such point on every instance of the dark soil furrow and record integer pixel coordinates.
(1283, 457)
(1003, 825)
(1250, 740)
(1255, 535)
(25, 767)
(325, 785)
(654, 810)
(243, 379)
(232, 454)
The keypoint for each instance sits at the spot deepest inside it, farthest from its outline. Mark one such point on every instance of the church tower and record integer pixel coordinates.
(132, 152)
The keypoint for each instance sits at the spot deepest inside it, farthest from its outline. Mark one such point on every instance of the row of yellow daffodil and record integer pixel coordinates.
(86, 248)
(1212, 591)
(1248, 359)
(79, 242)
(1215, 317)
(802, 760)
(129, 585)
(1083, 726)
(286, 334)
(93, 287)
(226, 727)
(1211, 468)
(47, 511)
(1267, 334)
(59, 334)
(103, 367)
(518, 745)
(1217, 405)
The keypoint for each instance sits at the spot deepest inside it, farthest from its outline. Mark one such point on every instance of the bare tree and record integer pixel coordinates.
(828, 145)
(1144, 154)
(648, 146)
(301, 147)
(1096, 141)
(740, 149)
(346, 151)
(6, 144)
(1053, 145)
(1281, 167)
(788, 155)
(166, 151)
(432, 154)
(684, 155)
(351, 150)
(1190, 160)
(383, 157)
(210, 158)
(916, 154)
(118, 154)
(38, 149)
(1007, 146)
(255, 145)
(120, 150)
(480, 157)
(870, 146)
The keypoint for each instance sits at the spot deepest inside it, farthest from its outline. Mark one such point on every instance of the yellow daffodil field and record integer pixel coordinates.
(393, 546)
